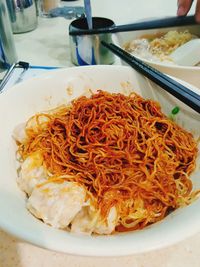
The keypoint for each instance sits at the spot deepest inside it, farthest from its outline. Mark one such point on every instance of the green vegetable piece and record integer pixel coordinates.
(175, 110)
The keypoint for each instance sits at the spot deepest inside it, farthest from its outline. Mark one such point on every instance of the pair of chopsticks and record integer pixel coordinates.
(145, 25)
(173, 87)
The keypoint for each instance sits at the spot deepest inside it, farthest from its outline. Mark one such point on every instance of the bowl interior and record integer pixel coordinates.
(61, 86)
(187, 73)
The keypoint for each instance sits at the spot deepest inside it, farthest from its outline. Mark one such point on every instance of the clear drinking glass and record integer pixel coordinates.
(47, 5)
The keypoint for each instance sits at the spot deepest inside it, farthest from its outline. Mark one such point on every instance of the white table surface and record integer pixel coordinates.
(48, 45)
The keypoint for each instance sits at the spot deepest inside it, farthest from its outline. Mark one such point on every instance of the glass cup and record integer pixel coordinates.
(47, 5)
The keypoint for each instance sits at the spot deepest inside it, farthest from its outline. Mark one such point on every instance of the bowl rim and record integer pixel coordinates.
(83, 248)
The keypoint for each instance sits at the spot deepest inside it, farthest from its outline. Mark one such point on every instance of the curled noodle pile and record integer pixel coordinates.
(123, 150)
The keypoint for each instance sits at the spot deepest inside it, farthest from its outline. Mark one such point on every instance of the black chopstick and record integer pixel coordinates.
(145, 25)
(178, 90)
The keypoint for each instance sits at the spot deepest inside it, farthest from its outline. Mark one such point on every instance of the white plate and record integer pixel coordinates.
(23, 100)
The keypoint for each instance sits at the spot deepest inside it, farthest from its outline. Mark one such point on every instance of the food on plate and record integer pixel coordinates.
(158, 47)
(104, 164)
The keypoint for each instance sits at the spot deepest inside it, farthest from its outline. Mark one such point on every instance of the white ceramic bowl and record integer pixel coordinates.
(41, 93)
(186, 73)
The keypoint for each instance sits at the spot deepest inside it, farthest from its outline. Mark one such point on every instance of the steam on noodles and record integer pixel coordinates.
(117, 162)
